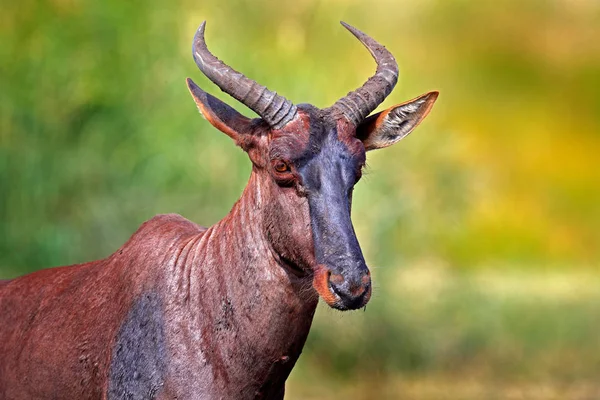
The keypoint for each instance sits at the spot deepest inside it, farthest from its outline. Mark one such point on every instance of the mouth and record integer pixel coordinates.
(353, 304)
(334, 298)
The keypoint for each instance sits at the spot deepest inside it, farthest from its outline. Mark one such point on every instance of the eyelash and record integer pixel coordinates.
(359, 173)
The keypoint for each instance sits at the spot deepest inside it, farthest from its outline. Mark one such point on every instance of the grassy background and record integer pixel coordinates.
(483, 227)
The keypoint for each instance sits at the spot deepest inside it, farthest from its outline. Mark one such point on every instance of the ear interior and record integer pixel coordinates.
(389, 126)
(219, 114)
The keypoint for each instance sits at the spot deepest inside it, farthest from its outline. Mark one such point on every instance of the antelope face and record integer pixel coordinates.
(320, 167)
(306, 163)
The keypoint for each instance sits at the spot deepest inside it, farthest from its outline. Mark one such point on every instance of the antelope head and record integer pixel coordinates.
(306, 162)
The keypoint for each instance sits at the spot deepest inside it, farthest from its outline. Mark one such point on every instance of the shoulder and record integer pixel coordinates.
(163, 230)
(169, 223)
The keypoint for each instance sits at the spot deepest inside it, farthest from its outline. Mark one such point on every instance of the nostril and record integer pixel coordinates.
(349, 288)
(366, 279)
(336, 279)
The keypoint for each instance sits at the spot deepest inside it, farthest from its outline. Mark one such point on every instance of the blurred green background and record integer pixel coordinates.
(482, 228)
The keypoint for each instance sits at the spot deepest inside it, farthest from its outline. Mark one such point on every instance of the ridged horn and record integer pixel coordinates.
(276, 110)
(357, 105)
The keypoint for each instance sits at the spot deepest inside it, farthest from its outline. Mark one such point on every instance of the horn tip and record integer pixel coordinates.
(352, 29)
(198, 40)
(200, 30)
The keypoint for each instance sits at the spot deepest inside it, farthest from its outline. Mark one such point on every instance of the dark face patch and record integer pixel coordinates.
(323, 165)
(138, 365)
(328, 179)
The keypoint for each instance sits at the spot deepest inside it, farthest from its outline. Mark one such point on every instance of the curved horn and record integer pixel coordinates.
(357, 105)
(274, 109)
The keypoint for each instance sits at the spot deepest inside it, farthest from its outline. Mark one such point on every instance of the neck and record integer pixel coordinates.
(238, 308)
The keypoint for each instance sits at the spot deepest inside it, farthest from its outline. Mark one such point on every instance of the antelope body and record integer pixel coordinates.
(186, 312)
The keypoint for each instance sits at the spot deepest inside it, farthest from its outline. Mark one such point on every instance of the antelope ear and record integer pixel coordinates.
(389, 126)
(219, 114)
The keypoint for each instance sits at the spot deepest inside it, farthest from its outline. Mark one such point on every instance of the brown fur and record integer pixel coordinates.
(217, 291)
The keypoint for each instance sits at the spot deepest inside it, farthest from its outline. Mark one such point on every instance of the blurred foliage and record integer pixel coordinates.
(98, 134)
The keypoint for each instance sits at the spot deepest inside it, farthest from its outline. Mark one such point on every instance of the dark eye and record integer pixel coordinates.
(282, 172)
(281, 167)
